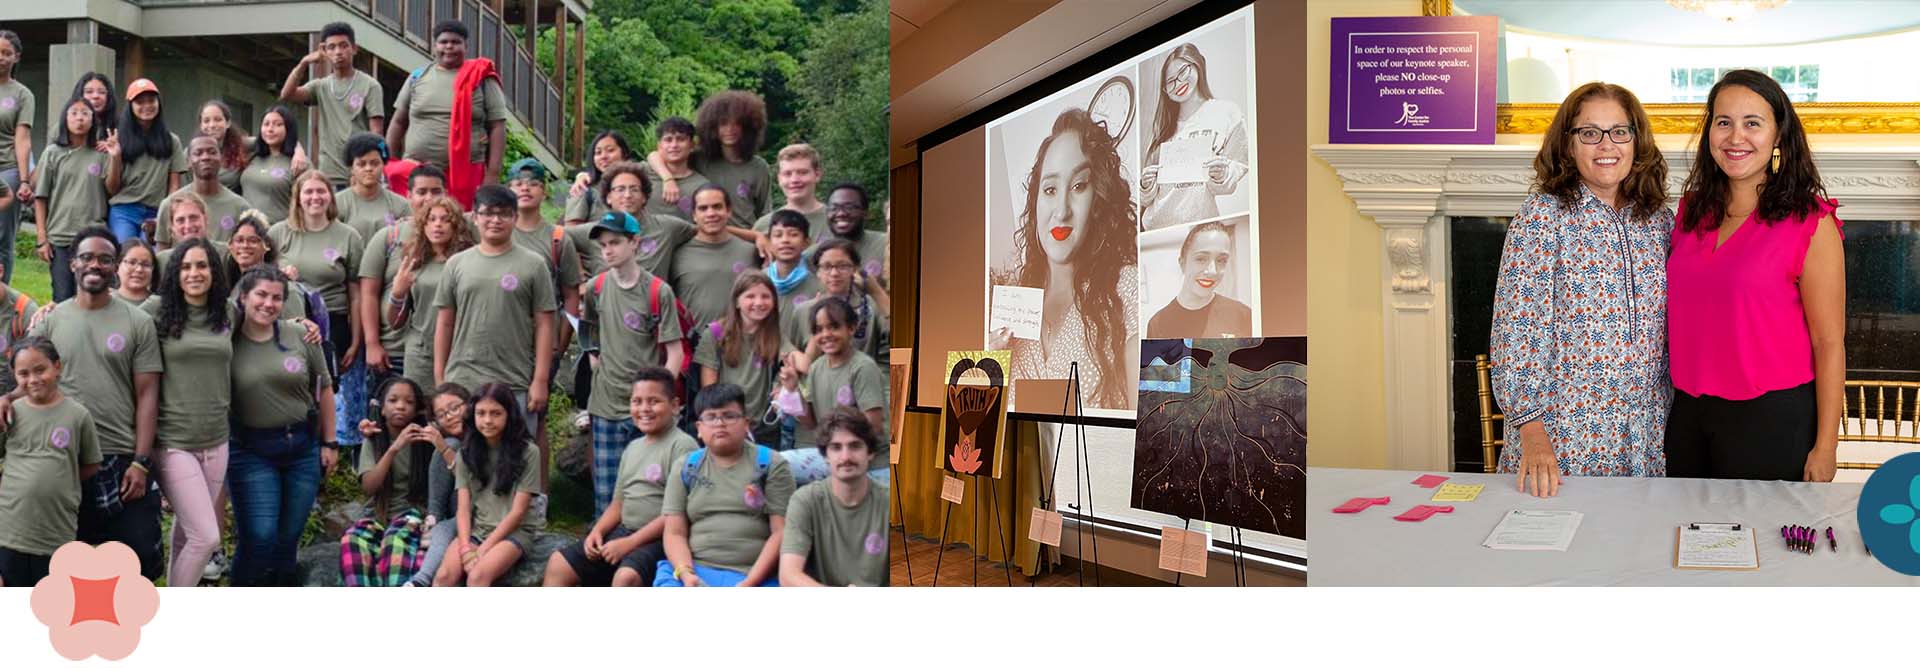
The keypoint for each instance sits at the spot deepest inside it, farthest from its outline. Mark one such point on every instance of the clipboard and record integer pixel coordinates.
(1742, 555)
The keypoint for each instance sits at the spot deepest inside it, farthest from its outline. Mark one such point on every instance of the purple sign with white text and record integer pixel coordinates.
(1413, 80)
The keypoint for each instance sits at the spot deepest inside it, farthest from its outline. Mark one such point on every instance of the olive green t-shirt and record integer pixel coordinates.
(495, 298)
(843, 546)
(143, 180)
(268, 185)
(817, 226)
(754, 375)
(341, 109)
(400, 482)
(327, 260)
(540, 241)
(628, 332)
(869, 329)
(429, 103)
(584, 246)
(659, 238)
(491, 507)
(749, 185)
(16, 312)
(229, 177)
(223, 214)
(161, 259)
(421, 321)
(644, 466)
(704, 273)
(860, 383)
(682, 207)
(380, 262)
(74, 183)
(369, 217)
(274, 381)
(100, 351)
(16, 109)
(872, 248)
(587, 208)
(196, 392)
(726, 508)
(40, 489)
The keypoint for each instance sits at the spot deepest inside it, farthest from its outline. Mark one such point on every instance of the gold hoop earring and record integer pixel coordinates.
(1774, 165)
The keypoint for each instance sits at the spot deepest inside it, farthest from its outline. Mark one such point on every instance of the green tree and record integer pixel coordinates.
(842, 86)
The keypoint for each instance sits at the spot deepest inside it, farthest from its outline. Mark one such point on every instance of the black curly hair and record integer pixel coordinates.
(171, 322)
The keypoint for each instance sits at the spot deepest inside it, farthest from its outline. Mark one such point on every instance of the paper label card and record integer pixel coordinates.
(1044, 527)
(1183, 551)
(1017, 309)
(1359, 503)
(952, 489)
(1429, 481)
(1457, 492)
(1183, 160)
(1421, 512)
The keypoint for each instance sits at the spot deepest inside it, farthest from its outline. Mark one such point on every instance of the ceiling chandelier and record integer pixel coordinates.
(1726, 10)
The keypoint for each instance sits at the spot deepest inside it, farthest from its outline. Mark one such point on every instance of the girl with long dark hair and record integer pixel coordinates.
(438, 231)
(1757, 287)
(498, 475)
(194, 321)
(383, 549)
(135, 273)
(145, 162)
(97, 90)
(267, 182)
(70, 193)
(583, 198)
(1075, 240)
(1188, 114)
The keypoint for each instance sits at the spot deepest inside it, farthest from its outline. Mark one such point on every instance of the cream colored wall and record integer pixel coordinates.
(1345, 332)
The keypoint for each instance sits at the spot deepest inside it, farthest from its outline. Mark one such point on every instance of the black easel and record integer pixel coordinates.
(1186, 524)
(893, 475)
(1073, 400)
(1006, 546)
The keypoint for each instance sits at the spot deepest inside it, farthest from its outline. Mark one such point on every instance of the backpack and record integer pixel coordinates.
(762, 460)
(689, 331)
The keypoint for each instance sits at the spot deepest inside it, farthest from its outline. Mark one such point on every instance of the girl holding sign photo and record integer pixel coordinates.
(1199, 146)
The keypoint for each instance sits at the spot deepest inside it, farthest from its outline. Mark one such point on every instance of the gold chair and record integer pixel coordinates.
(1490, 443)
(1864, 416)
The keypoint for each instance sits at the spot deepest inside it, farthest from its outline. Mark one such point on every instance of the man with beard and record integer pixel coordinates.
(111, 358)
(223, 206)
(847, 219)
(836, 534)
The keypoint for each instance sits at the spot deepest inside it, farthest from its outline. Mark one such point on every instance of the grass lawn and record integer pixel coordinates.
(30, 276)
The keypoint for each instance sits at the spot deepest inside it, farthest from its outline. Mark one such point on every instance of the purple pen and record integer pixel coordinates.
(1832, 545)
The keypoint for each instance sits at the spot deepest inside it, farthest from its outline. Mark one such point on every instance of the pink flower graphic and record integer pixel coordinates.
(873, 268)
(754, 498)
(509, 281)
(293, 364)
(94, 601)
(686, 204)
(632, 320)
(844, 395)
(227, 223)
(93, 169)
(355, 100)
(649, 246)
(652, 474)
(716, 329)
(9, 103)
(116, 342)
(331, 254)
(739, 267)
(60, 437)
(278, 173)
(876, 543)
(741, 189)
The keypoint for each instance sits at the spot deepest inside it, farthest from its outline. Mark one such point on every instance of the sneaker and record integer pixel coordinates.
(216, 567)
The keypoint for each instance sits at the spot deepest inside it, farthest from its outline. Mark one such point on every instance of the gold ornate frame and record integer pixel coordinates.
(1682, 118)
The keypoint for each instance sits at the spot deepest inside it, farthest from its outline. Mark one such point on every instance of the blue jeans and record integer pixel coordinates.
(125, 220)
(10, 224)
(709, 576)
(273, 476)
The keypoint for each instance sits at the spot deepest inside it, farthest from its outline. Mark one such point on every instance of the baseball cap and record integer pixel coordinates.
(615, 221)
(527, 165)
(139, 86)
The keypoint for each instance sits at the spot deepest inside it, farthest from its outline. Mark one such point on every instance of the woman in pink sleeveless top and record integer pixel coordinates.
(1756, 290)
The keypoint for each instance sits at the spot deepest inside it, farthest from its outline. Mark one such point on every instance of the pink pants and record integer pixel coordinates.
(191, 479)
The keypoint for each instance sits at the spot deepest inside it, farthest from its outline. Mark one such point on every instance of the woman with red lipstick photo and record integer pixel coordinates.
(1198, 146)
(1075, 239)
(1200, 310)
(1579, 344)
(1759, 287)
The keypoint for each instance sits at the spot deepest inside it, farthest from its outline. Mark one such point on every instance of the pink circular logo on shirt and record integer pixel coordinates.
(293, 364)
(631, 320)
(116, 342)
(227, 222)
(799, 299)
(716, 329)
(740, 190)
(844, 395)
(873, 268)
(652, 473)
(739, 267)
(9, 103)
(649, 246)
(278, 172)
(759, 363)
(331, 254)
(355, 100)
(509, 281)
(754, 498)
(686, 204)
(60, 437)
(93, 169)
(876, 543)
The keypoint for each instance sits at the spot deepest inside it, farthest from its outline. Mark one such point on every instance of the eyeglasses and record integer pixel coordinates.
(836, 267)
(245, 241)
(627, 190)
(1185, 70)
(717, 419)
(98, 258)
(450, 412)
(137, 264)
(846, 207)
(1588, 134)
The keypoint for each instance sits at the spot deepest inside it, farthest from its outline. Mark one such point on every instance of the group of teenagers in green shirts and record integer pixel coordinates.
(221, 382)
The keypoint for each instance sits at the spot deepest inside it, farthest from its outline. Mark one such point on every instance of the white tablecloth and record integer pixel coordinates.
(1626, 537)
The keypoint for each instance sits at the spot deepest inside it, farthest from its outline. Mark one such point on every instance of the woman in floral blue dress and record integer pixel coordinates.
(1579, 314)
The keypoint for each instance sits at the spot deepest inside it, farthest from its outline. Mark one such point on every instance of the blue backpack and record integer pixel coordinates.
(762, 460)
